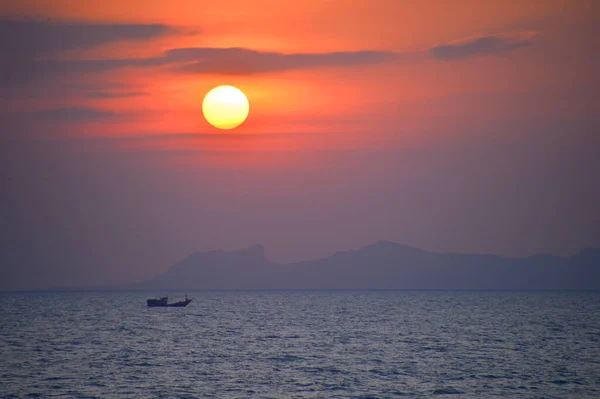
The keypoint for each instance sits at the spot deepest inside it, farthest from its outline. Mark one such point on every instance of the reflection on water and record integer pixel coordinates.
(313, 344)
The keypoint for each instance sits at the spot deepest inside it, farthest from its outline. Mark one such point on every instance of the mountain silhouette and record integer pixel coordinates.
(381, 265)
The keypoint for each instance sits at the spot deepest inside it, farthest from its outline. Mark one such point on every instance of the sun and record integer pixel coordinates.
(225, 107)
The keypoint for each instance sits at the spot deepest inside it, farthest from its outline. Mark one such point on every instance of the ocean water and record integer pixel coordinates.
(313, 344)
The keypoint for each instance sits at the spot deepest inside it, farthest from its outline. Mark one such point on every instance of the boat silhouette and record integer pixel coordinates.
(164, 302)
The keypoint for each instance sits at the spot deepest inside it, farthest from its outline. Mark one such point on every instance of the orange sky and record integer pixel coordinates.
(322, 99)
(447, 125)
(313, 25)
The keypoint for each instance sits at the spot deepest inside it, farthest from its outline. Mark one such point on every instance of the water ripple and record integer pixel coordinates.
(301, 345)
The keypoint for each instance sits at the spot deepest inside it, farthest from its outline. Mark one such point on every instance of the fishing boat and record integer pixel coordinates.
(164, 302)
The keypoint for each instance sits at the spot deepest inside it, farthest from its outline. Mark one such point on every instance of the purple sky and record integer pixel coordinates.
(450, 132)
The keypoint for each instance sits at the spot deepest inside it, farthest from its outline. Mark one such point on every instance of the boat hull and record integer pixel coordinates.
(162, 303)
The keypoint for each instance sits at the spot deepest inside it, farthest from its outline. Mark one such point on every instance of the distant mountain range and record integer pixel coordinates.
(381, 265)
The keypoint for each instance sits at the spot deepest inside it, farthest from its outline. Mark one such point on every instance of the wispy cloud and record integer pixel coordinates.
(39, 37)
(224, 61)
(105, 95)
(192, 136)
(67, 114)
(242, 61)
(482, 45)
(25, 45)
(22, 42)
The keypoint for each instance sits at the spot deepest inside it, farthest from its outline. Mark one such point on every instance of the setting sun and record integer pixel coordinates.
(225, 107)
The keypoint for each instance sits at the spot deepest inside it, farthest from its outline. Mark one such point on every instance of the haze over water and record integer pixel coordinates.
(302, 344)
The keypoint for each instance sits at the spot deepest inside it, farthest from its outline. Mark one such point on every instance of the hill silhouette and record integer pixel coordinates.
(381, 265)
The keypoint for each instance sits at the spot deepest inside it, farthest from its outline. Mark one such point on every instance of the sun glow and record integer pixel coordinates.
(225, 107)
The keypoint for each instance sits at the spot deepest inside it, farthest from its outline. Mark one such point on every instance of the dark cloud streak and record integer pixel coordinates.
(106, 95)
(225, 61)
(241, 61)
(23, 42)
(63, 114)
(484, 45)
(38, 37)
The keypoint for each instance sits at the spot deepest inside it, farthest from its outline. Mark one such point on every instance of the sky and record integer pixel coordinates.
(465, 126)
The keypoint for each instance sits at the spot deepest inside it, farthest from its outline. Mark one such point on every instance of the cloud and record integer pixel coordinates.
(50, 122)
(102, 86)
(26, 45)
(39, 37)
(104, 94)
(482, 45)
(185, 136)
(242, 61)
(224, 61)
(63, 114)
(23, 42)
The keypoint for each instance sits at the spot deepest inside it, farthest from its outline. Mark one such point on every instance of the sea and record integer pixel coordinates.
(301, 344)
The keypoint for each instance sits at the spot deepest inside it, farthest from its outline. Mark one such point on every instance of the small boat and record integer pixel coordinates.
(164, 302)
